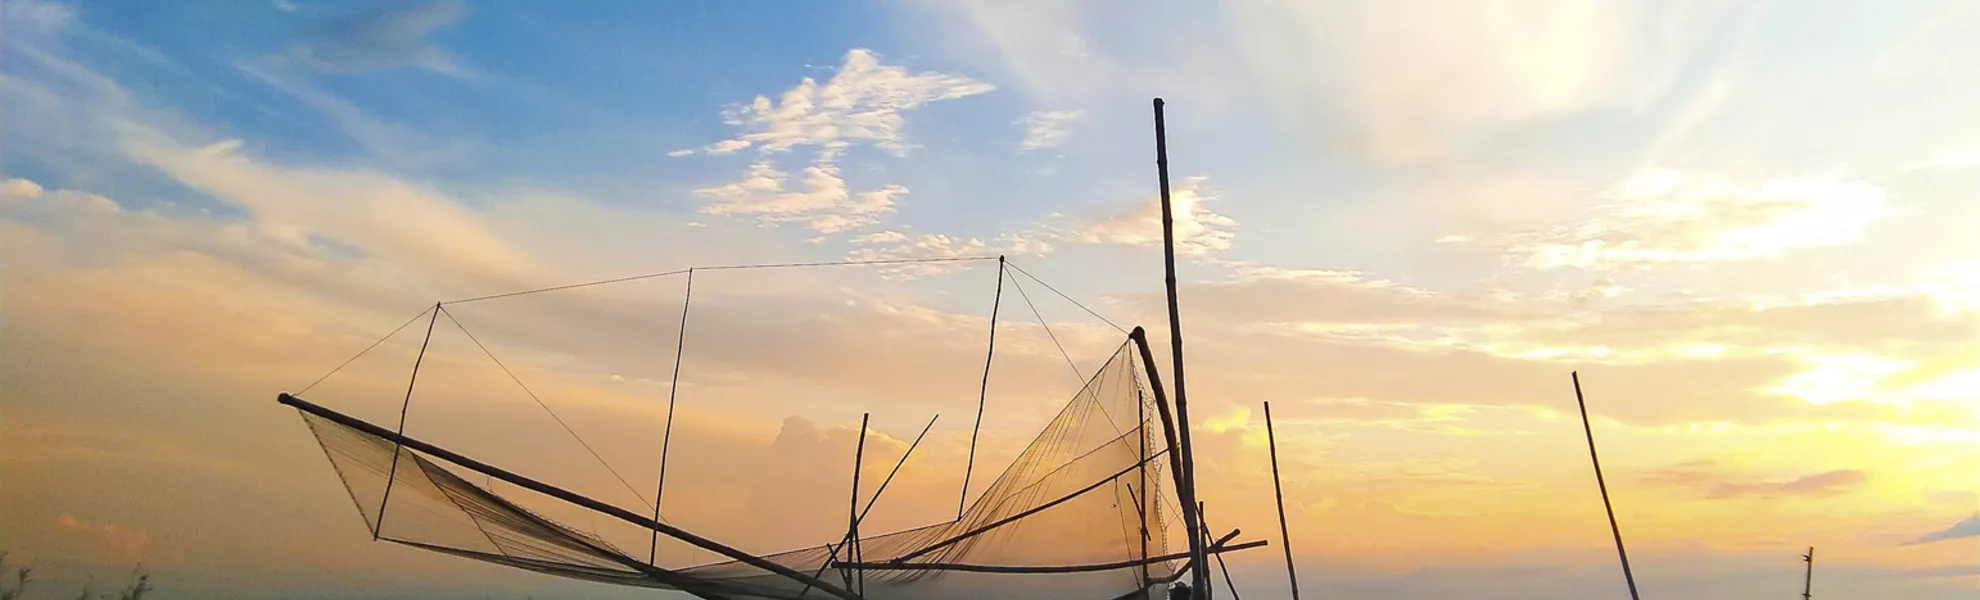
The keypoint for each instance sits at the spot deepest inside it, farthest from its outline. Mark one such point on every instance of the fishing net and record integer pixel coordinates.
(1078, 514)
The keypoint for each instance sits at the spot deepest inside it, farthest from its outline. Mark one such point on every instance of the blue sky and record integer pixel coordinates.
(1748, 224)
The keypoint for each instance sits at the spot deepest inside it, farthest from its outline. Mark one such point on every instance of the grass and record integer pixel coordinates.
(14, 585)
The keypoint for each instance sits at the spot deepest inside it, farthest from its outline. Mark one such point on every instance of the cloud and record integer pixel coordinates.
(1660, 218)
(1198, 231)
(864, 102)
(895, 245)
(1047, 128)
(385, 38)
(1963, 529)
(1718, 484)
(824, 205)
(121, 543)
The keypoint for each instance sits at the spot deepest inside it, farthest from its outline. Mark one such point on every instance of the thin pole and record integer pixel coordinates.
(1199, 581)
(667, 434)
(1141, 504)
(852, 533)
(1183, 494)
(835, 547)
(1808, 580)
(1279, 495)
(393, 474)
(982, 393)
(1613, 528)
(1220, 557)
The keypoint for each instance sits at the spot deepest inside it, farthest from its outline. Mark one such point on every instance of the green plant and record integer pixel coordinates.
(22, 575)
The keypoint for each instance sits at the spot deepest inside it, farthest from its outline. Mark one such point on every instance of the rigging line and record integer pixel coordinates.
(982, 393)
(667, 434)
(367, 350)
(1083, 307)
(404, 408)
(843, 263)
(1077, 376)
(546, 407)
(570, 286)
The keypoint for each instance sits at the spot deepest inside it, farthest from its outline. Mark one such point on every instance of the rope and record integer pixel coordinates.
(367, 349)
(843, 263)
(667, 435)
(983, 393)
(393, 474)
(546, 407)
(1048, 331)
(1068, 298)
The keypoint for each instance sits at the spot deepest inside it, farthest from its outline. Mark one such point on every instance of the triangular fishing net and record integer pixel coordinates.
(1077, 514)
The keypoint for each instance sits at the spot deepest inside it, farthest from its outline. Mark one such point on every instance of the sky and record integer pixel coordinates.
(1747, 226)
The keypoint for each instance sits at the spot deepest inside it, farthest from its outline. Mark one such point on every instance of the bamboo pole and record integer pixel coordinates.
(1279, 495)
(1613, 528)
(1199, 581)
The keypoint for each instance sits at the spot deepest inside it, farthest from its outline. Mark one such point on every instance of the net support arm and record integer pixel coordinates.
(1176, 472)
(1013, 518)
(566, 495)
(1087, 568)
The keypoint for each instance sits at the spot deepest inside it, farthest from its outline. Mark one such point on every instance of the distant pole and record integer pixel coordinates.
(1613, 528)
(1199, 582)
(1278, 494)
(1808, 579)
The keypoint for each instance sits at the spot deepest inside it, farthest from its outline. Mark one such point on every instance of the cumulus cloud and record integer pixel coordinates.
(1198, 230)
(1661, 218)
(385, 38)
(1047, 128)
(825, 204)
(864, 102)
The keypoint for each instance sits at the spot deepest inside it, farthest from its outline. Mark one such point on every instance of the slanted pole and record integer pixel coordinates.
(667, 433)
(982, 393)
(1279, 495)
(1808, 578)
(393, 474)
(565, 495)
(852, 530)
(1613, 528)
(1199, 581)
(1183, 493)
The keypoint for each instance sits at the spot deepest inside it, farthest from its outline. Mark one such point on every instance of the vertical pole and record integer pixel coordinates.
(982, 393)
(1808, 579)
(852, 531)
(405, 407)
(1141, 504)
(1613, 528)
(1279, 495)
(667, 434)
(1183, 496)
(1188, 478)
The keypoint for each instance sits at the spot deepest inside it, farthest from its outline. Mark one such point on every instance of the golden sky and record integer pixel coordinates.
(1749, 228)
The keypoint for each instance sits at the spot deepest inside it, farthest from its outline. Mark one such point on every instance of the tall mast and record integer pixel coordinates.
(1808, 579)
(1186, 480)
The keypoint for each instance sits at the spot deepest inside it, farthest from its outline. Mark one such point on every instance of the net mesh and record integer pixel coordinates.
(1078, 496)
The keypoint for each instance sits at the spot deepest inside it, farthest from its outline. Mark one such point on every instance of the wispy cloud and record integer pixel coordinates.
(1198, 230)
(1718, 483)
(1963, 529)
(385, 38)
(1662, 218)
(824, 204)
(1047, 128)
